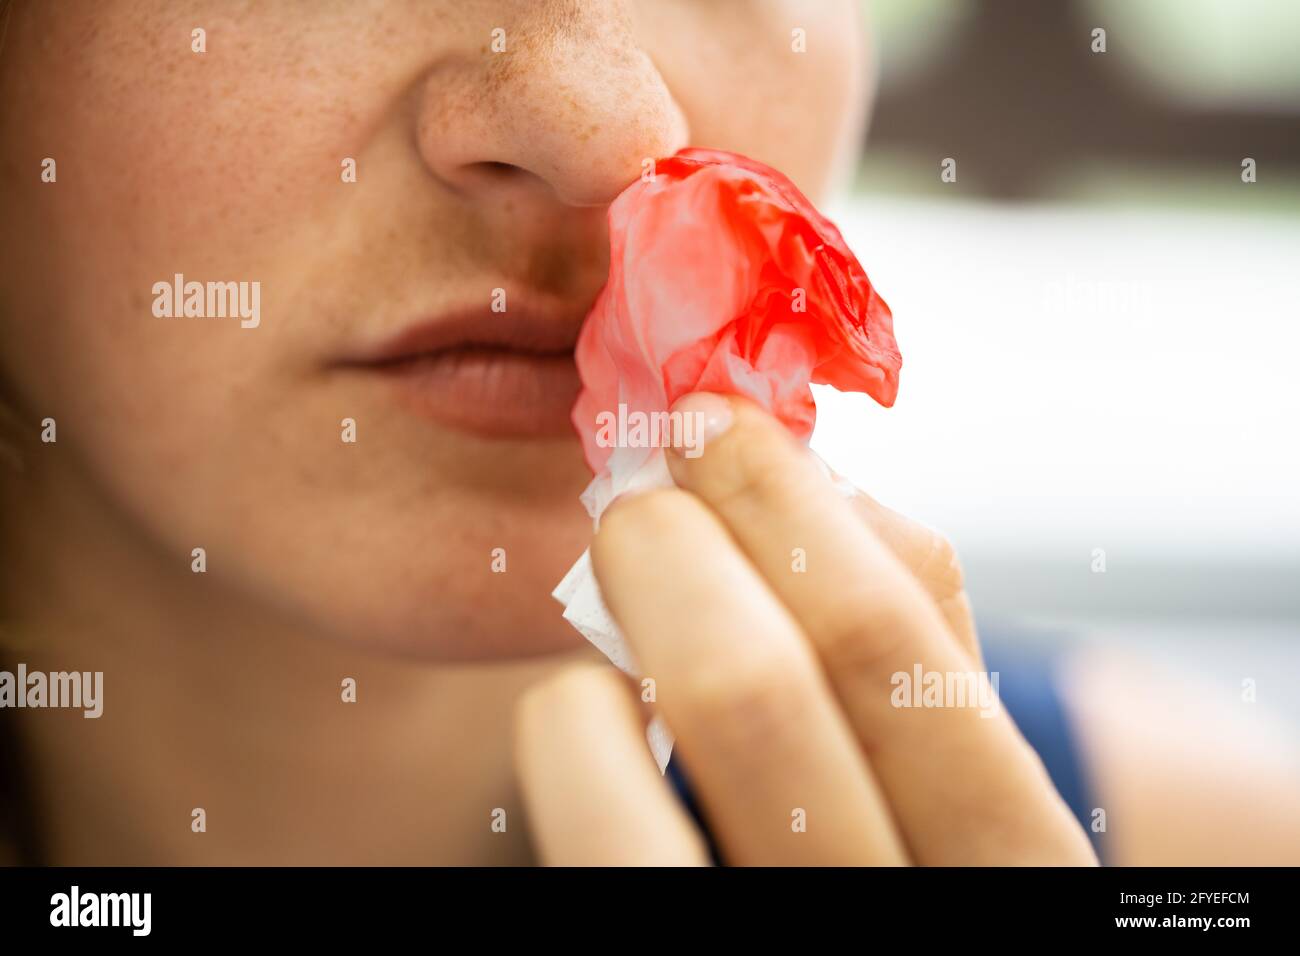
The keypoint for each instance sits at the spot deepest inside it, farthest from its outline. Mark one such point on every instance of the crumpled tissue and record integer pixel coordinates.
(723, 278)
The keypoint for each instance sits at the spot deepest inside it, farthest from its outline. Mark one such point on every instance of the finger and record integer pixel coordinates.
(932, 560)
(592, 792)
(776, 767)
(962, 783)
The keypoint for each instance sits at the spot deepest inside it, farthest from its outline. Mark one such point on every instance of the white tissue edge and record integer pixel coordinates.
(584, 607)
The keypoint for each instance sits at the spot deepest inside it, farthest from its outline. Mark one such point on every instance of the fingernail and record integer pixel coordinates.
(704, 418)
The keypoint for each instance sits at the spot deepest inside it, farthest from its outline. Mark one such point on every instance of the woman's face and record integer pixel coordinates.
(481, 174)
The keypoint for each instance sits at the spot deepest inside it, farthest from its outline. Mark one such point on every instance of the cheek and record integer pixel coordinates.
(154, 178)
(169, 162)
(752, 85)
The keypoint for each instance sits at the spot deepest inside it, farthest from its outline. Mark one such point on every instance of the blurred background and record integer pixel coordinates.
(1098, 319)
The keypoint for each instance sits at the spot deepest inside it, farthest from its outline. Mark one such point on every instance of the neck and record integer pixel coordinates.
(214, 704)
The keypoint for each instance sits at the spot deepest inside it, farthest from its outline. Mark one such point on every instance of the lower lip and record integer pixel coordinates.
(492, 392)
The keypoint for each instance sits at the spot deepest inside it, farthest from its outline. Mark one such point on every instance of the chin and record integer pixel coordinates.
(485, 597)
(467, 631)
(521, 631)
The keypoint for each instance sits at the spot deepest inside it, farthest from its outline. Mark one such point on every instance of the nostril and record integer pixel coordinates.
(494, 172)
(490, 172)
(494, 175)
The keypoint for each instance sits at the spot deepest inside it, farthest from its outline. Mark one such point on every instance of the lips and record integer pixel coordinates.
(495, 374)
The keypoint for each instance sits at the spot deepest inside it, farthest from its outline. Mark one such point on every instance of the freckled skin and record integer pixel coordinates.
(226, 166)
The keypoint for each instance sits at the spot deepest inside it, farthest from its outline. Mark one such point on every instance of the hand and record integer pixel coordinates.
(780, 683)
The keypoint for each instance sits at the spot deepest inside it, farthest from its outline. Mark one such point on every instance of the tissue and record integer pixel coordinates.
(724, 278)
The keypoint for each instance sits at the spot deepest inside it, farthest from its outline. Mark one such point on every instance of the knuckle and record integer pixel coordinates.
(635, 519)
(738, 706)
(869, 636)
(757, 471)
(942, 565)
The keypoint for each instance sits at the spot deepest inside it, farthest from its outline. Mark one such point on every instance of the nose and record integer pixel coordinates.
(564, 97)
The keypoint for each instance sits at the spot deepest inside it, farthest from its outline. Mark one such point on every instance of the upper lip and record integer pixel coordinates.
(521, 329)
